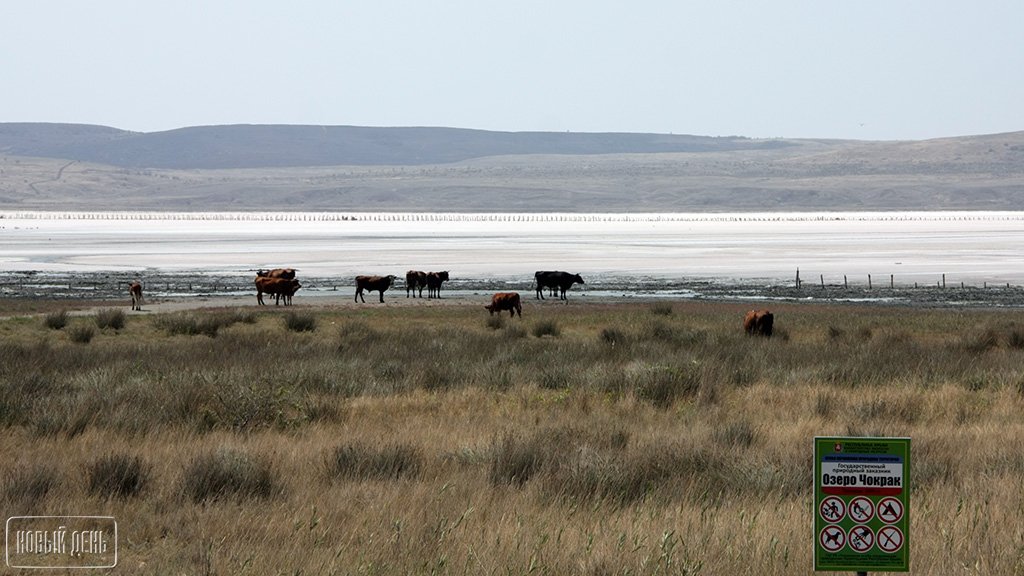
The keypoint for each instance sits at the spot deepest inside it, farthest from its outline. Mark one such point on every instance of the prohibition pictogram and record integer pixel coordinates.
(861, 538)
(861, 509)
(832, 509)
(890, 539)
(890, 510)
(832, 538)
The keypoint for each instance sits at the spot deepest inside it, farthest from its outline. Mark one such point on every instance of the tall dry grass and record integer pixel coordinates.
(409, 441)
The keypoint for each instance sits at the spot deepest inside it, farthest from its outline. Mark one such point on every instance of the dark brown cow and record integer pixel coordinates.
(555, 279)
(136, 293)
(277, 287)
(505, 301)
(286, 273)
(371, 284)
(434, 281)
(415, 281)
(758, 323)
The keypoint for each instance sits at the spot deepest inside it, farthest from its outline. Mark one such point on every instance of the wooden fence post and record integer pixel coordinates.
(869, 281)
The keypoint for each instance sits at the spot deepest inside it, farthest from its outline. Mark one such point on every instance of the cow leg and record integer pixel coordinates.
(381, 296)
(259, 297)
(359, 294)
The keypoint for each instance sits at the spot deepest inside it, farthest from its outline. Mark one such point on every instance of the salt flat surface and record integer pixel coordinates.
(972, 247)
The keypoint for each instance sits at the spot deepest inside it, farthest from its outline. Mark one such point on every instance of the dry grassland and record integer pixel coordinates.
(624, 439)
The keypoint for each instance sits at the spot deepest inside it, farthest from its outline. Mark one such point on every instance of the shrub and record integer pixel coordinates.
(110, 318)
(496, 322)
(362, 462)
(26, 486)
(56, 320)
(228, 473)
(661, 385)
(740, 434)
(81, 334)
(117, 475)
(546, 328)
(191, 325)
(661, 308)
(300, 322)
(515, 461)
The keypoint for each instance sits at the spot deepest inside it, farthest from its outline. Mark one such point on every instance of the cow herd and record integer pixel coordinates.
(282, 284)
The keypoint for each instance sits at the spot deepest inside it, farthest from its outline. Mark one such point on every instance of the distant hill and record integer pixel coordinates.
(345, 168)
(273, 146)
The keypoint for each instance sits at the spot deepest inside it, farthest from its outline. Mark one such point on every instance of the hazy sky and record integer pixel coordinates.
(865, 69)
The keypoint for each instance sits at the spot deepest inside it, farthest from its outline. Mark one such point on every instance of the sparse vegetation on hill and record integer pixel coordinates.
(430, 440)
(302, 168)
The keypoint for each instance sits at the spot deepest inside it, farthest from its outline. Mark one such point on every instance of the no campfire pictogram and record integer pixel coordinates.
(861, 538)
(832, 509)
(861, 509)
(832, 538)
(890, 539)
(890, 510)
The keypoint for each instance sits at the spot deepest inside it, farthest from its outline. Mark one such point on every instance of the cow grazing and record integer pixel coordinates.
(415, 280)
(371, 284)
(758, 323)
(286, 273)
(553, 279)
(434, 281)
(505, 301)
(278, 287)
(135, 290)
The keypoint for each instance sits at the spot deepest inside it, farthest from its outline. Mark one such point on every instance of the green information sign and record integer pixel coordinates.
(862, 504)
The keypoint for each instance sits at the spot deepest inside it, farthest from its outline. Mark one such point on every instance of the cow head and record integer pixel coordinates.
(578, 279)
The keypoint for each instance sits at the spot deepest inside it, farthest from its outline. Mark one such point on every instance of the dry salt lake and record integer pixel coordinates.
(658, 254)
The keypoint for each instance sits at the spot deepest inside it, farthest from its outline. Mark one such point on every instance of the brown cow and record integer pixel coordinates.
(415, 280)
(758, 323)
(505, 301)
(286, 273)
(278, 287)
(371, 284)
(434, 281)
(136, 293)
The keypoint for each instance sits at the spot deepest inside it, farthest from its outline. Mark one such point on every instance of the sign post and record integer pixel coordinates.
(862, 504)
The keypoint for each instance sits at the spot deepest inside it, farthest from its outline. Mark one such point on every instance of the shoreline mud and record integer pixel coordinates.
(227, 287)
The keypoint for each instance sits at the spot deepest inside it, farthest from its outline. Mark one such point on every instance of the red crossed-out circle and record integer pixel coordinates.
(832, 538)
(890, 539)
(861, 509)
(861, 538)
(890, 510)
(832, 509)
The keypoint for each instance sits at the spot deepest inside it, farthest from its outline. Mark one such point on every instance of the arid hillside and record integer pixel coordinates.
(44, 166)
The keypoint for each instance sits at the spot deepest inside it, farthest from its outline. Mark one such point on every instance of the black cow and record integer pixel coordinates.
(372, 283)
(560, 280)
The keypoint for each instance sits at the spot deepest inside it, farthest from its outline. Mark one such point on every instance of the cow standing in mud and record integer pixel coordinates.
(555, 280)
(135, 290)
(278, 287)
(371, 284)
(434, 281)
(415, 281)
